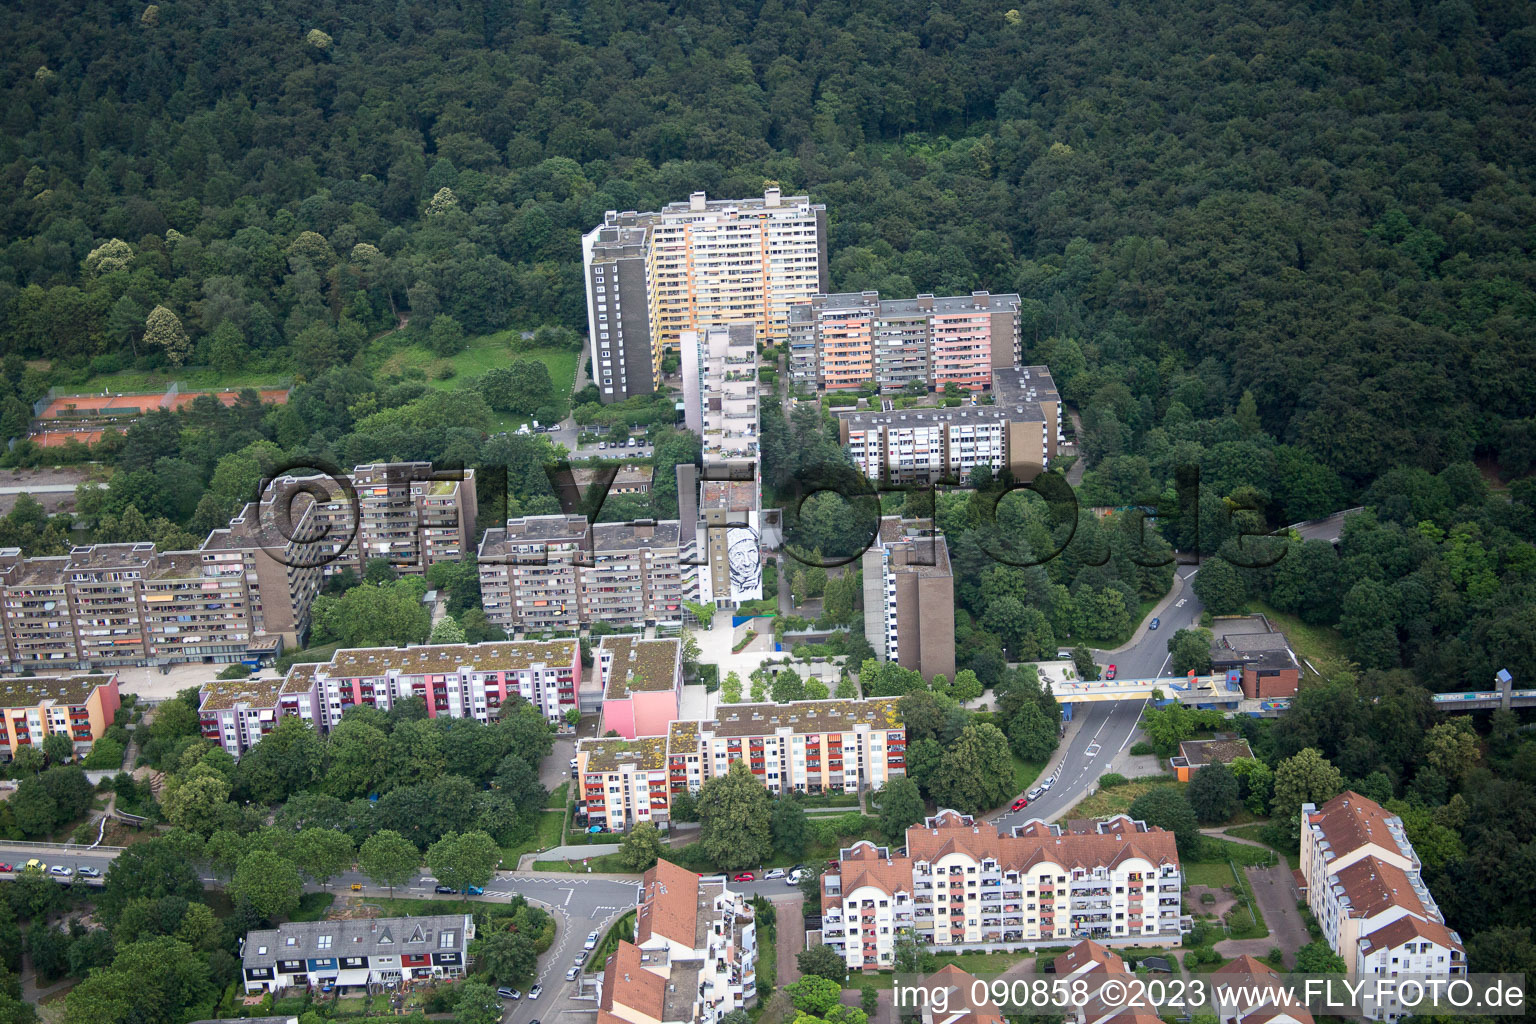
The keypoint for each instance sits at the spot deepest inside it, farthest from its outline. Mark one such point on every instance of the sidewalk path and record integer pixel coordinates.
(790, 929)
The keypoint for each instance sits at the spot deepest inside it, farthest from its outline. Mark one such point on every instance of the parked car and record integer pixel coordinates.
(536, 991)
(6, 867)
(1050, 780)
(509, 993)
(773, 873)
(1034, 794)
(745, 876)
(445, 890)
(1109, 672)
(61, 870)
(581, 958)
(473, 890)
(1019, 804)
(794, 877)
(34, 865)
(573, 974)
(89, 872)
(1154, 623)
(591, 942)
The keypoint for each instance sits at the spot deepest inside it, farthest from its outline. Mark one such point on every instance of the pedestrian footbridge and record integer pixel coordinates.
(1220, 691)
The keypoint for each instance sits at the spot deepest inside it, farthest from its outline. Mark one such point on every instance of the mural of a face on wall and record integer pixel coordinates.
(746, 564)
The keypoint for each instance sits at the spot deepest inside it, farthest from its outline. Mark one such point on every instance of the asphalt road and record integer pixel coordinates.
(1106, 727)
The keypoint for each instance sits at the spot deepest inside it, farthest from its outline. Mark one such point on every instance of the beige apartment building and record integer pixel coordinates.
(691, 265)
(811, 746)
(561, 573)
(909, 597)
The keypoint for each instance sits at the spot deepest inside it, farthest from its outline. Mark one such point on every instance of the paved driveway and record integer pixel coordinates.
(1274, 890)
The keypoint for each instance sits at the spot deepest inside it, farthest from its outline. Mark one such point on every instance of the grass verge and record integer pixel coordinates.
(1025, 773)
(1119, 799)
(546, 834)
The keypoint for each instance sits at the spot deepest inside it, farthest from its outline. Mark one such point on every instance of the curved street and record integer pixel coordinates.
(1102, 729)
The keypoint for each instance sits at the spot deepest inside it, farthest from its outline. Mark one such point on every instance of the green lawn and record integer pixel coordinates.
(979, 964)
(1257, 833)
(557, 797)
(481, 353)
(313, 906)
(546, 834)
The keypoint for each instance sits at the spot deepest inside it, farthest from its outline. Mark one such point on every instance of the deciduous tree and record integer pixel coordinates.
(734, 819)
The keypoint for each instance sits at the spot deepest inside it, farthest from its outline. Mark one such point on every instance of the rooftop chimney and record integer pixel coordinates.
(696, 201)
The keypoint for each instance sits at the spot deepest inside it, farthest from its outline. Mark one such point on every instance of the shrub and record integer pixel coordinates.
(1110, 780)
(235, 671)
(1141, 749)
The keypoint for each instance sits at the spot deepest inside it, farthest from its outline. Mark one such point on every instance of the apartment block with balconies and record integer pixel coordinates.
(454, 680)
(695, 927)
(962, 885)
(32, 708)
(412, 515)
(622, 783)
(840, 341)
(562, 573)
(813, 746)
(236, 714)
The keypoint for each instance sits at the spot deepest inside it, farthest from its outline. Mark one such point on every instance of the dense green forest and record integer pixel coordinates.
(1328, 206)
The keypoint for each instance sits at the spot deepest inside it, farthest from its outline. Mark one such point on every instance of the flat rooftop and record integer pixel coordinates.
(1203, 752)
(868, 419)
(225, 695)
(499, 656)
(30, 691)
(805, 716)
(638, 666)
(610, 754)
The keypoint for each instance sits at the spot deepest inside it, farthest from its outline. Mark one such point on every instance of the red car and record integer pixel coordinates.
(1021, 803)
(745, 876)
(1109, 673)
(6, 867)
